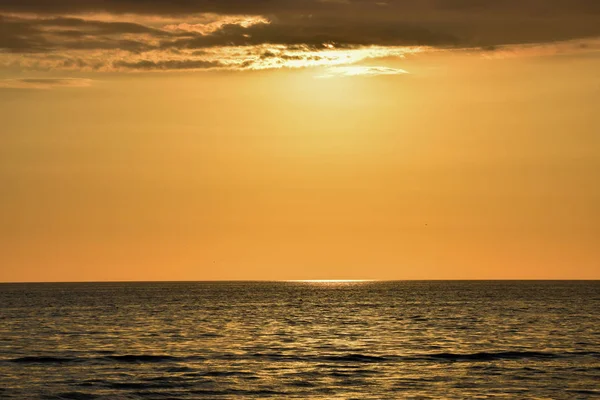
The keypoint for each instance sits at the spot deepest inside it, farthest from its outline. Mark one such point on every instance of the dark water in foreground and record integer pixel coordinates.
(373, 340)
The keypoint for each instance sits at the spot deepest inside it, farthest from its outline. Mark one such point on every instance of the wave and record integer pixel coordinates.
(42, 360)
(441, 356)
(226, 373)
(334, 358)
(72, 396)
(127, 358)
(363, 358)
(142, 358)
(501, 355)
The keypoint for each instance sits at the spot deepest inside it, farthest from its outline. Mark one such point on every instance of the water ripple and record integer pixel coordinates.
(160, 341)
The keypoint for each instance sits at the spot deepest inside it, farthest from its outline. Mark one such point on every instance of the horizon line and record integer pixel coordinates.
(314, 280)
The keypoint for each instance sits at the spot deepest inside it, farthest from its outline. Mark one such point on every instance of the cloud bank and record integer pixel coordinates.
(239, 34)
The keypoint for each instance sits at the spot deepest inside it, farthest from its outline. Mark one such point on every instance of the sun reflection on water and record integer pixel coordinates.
(327, 282)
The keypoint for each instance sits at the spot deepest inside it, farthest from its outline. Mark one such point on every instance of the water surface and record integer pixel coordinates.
(355, 340)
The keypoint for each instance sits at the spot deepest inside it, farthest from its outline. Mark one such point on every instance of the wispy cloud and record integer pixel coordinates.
(357, 70)
(44, 83)
(211, 24)
(582, 46)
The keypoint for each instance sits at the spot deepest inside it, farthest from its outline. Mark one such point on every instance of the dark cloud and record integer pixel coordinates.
(28, 35)
(148, 65)
(317, 35)
(97, 27)
(43, 27)
(476, 23)
(276, 7)
(162, 7)
(43, 83)
(16, 36)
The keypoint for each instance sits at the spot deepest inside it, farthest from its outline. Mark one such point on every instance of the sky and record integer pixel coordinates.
(172, 140)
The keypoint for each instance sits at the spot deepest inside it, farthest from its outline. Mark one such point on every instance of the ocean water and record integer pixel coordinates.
(305, 340)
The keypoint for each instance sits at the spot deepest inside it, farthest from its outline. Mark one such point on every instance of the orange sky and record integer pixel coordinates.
(402, 163)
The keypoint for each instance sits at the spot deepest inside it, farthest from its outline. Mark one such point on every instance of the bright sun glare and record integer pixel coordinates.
(326, 281)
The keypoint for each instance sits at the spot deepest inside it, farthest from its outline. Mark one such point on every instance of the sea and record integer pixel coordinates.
(301, 340)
